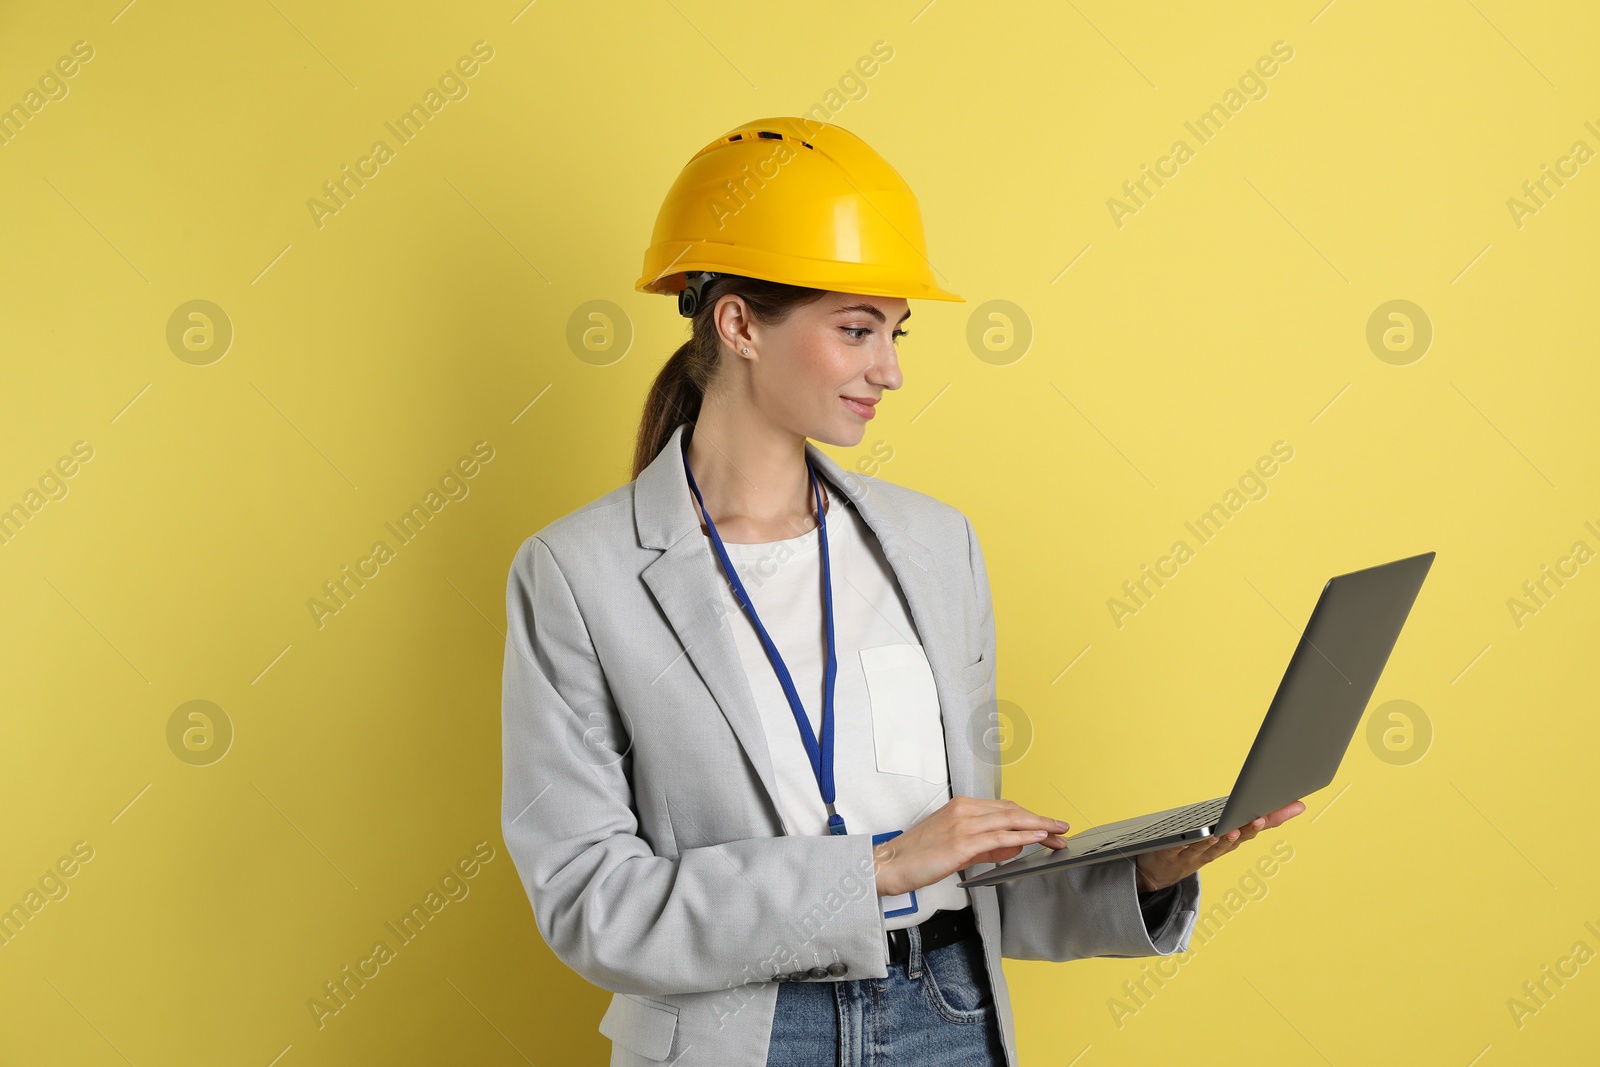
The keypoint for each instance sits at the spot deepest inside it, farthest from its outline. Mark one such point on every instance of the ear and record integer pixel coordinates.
(734, 324)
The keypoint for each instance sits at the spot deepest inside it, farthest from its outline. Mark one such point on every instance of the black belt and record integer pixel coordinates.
(945, 928)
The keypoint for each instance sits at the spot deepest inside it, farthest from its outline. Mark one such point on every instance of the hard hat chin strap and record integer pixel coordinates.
(692, 295)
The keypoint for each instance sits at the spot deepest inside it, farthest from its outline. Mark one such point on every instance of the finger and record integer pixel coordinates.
(1188, 867)
(998, 855)
(1004, 838)
(1190, 858)
(1285, 813)
(1207, 849)
(1016, 819)
(983, 805)
(1050, 840)
(1218, 850)
(1218, 845)
(1240, 834)
(1002, 804)
(1159, 855)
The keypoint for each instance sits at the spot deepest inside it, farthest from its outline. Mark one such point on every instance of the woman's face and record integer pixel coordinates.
(799, 374)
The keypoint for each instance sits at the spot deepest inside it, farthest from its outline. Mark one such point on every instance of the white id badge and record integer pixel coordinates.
(899, 903)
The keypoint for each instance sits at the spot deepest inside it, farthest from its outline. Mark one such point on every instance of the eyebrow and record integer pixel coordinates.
(869, 310)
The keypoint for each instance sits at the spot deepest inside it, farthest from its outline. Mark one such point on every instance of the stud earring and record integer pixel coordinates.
(746, 351)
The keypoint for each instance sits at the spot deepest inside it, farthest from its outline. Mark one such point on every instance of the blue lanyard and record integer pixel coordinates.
(821, 755)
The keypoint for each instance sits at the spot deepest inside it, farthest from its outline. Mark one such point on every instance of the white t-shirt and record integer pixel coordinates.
(888, 747)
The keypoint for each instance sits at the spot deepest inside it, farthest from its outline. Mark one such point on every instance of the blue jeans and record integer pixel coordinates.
(935, 1009)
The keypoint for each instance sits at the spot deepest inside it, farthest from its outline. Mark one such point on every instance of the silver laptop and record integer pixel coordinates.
(1302, 740)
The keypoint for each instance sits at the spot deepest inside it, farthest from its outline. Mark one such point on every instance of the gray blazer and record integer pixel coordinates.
(639, 801)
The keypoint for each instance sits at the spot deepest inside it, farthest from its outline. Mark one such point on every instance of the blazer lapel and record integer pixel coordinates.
(686, 581)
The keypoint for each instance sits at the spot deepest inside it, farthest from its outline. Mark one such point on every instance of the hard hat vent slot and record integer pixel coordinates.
(770, 136)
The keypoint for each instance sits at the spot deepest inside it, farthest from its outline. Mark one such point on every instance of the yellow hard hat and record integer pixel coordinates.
(790, 200)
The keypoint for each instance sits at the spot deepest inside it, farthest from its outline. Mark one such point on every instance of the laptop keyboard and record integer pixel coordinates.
(1184, 818)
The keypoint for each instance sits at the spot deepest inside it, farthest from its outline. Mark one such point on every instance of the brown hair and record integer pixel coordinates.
(681, 384)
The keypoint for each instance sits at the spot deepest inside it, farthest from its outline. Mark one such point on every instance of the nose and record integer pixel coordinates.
(885, 369)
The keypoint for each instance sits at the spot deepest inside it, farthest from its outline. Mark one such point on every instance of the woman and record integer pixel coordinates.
(742, 691)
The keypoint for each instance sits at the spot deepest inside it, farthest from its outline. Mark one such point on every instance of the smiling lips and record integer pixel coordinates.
(860, 405)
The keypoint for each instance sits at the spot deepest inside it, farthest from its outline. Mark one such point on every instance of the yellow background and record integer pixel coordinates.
(433, 310)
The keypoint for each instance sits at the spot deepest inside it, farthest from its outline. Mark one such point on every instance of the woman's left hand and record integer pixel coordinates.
(1163, 867)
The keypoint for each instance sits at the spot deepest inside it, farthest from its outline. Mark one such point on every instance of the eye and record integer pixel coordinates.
(856, 331)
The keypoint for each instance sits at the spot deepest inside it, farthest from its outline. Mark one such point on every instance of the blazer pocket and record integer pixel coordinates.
(640, 1025)
(907, 730)
(976, 675)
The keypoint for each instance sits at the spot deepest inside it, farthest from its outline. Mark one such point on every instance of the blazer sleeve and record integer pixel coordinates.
(621, 916)
(1080, 912)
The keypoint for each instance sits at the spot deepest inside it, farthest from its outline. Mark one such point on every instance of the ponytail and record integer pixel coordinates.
(674, 398)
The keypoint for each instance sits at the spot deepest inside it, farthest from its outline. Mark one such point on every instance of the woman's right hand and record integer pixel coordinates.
(967, 830)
